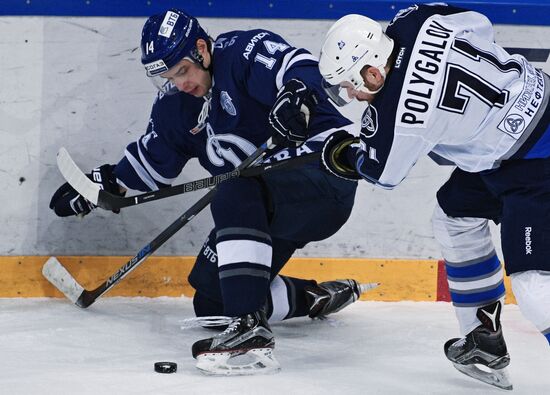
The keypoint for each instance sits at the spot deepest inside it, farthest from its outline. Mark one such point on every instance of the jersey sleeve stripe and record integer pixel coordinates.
(359, 164)
(156, 176)
(140, 171)
(288, 61)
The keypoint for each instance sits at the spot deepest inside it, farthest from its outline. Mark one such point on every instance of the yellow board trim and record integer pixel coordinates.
(401, 279)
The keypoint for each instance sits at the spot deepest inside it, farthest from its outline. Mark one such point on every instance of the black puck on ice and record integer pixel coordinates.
(166, 367)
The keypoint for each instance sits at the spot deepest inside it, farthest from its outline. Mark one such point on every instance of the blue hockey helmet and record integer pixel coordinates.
(166, 39)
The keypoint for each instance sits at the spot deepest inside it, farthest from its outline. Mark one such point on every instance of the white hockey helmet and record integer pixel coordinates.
(353, 42)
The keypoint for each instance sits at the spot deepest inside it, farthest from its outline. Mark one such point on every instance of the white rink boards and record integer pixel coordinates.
(78, 83)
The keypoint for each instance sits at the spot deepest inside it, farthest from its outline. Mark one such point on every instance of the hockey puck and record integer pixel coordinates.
(166, 367)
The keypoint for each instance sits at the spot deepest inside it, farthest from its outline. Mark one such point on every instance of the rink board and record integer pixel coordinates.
(400, 279)
(533, 12)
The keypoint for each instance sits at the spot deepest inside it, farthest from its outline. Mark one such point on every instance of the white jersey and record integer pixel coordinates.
(452, 92)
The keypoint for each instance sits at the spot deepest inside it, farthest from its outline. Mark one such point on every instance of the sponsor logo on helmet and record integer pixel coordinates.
(155, 68)
(341, 44)
(514, 124)
(227, 103)
(369, 122)
(168, 24)
(354, 59)
(189, 27)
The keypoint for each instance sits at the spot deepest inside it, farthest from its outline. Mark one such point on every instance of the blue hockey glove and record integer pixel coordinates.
(66, 201)
(289, 116)
(338, 155)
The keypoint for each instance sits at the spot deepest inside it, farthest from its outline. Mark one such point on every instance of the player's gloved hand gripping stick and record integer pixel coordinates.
(108, 200)
(55, 273)
(289, 116)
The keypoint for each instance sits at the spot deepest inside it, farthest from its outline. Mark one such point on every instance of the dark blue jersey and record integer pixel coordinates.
(249, 68)
(158, 156)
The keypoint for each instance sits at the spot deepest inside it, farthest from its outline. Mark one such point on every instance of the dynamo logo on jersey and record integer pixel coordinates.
(222, 148)
(227, 103)
(369, 122)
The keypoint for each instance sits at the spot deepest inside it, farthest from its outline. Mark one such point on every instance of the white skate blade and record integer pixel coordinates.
(367, 287)
(255, 362)
(56, 274)
(496, 377)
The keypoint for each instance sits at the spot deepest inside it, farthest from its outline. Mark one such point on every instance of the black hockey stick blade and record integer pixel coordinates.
(108, 201)
(66, 283)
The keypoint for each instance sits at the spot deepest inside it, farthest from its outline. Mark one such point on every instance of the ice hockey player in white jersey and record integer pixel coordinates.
(436, 83)
(219, 100)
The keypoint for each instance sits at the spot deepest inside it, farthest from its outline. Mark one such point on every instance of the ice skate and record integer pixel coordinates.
(484, 346)
(244, 348)
(332, 296)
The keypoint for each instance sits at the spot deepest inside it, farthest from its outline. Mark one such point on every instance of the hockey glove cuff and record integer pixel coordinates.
(289, 116)
(338, 155)
(66, 201)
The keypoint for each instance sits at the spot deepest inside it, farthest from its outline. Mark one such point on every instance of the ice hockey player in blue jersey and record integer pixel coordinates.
(436, 83)
(218, 101)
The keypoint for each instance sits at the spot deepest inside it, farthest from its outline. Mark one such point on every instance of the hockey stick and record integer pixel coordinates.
(58, 275)
(108, 201)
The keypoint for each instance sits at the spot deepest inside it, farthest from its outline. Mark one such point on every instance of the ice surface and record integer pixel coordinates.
(49, 346)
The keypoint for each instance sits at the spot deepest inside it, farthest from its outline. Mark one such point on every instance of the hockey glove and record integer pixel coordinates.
(66, 201)
(289, 117)
(339, 155)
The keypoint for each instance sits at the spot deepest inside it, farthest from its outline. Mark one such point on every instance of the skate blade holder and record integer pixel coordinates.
(254, 362)
(499, 378)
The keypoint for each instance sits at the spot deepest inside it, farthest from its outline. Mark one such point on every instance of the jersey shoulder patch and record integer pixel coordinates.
(369, 122)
